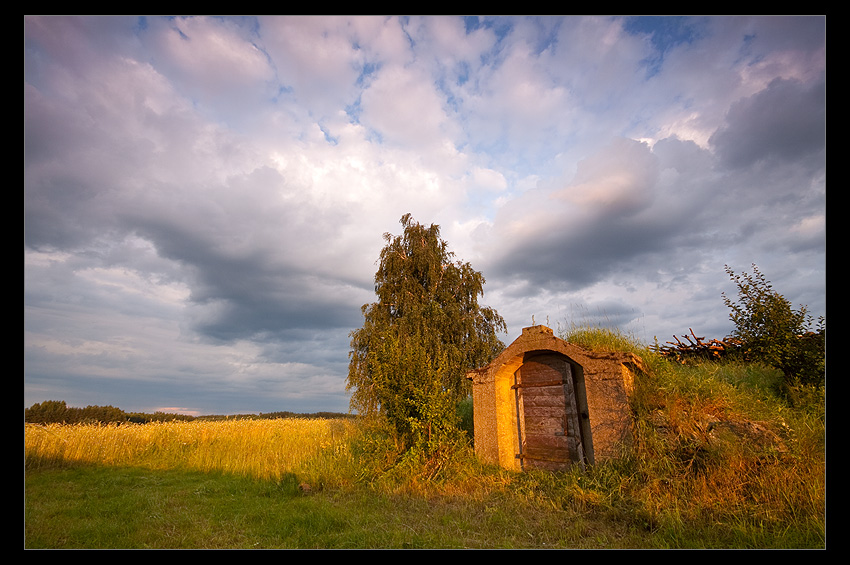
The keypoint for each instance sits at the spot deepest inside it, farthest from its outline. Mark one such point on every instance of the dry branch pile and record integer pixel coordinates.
(694, 347)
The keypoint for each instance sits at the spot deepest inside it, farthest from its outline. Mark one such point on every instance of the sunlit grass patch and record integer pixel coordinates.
(264, 449)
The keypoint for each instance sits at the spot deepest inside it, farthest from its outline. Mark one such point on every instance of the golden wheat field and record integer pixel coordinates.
(265, 449)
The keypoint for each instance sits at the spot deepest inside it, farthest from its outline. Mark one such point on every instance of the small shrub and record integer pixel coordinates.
(773, 332)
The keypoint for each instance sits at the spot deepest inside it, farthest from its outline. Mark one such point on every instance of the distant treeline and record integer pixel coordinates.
(274, 415)
(57, 412)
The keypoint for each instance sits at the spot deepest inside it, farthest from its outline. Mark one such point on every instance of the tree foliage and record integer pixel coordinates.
(57, 412)
(426, 329)
(773, 332)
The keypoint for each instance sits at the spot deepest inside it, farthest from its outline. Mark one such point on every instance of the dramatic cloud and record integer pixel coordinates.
(205, 197)
(783, 123)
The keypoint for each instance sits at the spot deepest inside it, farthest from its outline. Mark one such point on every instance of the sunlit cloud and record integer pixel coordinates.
(205, 197)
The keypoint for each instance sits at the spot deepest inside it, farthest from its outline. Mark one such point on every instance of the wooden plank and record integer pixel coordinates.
(544, 403)
(552, 455)
(533, 384)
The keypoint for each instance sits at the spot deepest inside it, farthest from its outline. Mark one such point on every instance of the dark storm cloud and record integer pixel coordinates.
(266, 305)
(581, 255)
(255, 269)
(62, 159)
(784, 122)
(613, 217)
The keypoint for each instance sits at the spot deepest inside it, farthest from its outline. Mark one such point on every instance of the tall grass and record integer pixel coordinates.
(720, 451)
(600, 338)
(315, 449)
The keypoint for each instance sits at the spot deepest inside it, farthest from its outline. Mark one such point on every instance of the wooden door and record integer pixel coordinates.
(547, 414)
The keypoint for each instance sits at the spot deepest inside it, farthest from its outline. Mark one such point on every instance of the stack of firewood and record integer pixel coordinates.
(694, 347)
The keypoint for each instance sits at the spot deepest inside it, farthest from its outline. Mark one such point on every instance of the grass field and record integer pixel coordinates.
(693, 481)
(262, 449)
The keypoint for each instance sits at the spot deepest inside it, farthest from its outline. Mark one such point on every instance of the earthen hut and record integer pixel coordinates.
(547, 403)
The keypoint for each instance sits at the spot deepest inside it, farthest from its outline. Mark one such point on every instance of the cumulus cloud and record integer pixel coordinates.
(205, 198)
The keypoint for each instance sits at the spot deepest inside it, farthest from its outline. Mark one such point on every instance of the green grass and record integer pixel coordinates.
(723, 457)
(131, 508)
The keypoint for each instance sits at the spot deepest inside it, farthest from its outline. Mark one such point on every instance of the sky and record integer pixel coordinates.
(205, 198)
